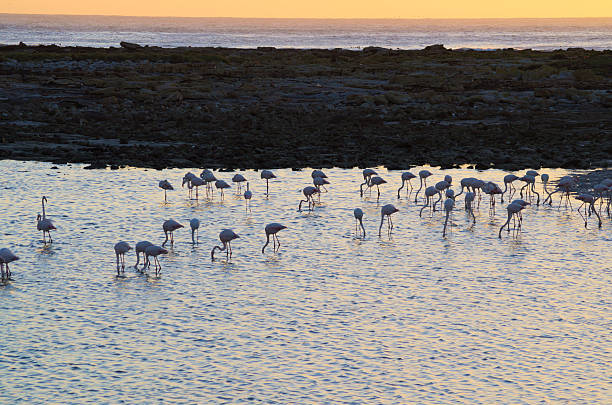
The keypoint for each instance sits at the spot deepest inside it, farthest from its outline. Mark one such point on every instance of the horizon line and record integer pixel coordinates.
(309, 18)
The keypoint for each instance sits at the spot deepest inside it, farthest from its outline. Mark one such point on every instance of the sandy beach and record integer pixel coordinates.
(268, 108)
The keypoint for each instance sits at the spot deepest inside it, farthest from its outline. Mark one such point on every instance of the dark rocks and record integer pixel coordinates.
(95, 165)
(129, 45)
(231, 108)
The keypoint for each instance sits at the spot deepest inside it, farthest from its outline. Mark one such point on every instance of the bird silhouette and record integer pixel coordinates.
(358, 213)
(194, 223)
(43, 223)
(165, 185)
(367, 175)
(387, 211)
(6, 257)
(121, 248)
(248, 194)
(238, 179)
(308, 191)
(226, 237)
(140, 248)
(406, 177)
(221, 185)
(449, 204)
(154, 251)
(169, 227)
(423, 175)
(273, 229)
(267, 174)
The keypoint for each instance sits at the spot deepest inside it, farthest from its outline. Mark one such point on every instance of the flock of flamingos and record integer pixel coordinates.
(594, 203)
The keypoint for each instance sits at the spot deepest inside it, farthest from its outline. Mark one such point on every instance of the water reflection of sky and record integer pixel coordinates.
(330, 318)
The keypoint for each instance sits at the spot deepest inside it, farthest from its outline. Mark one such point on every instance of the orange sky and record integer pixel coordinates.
(318, 8)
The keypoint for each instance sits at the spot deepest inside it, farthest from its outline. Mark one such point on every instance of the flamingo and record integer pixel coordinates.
(154, 251)
(238, 179)
(406, 177)
(423, 175)
(440, 186)
(226, 237)
(221, 185)
(529, 180)
(513, 209)
(466, 183)
(197, 182)
(477, 185)
(248, 194)
(469, 203)
(318, 173)
(318, 183)
(121, 249)
(449, 204)
(519, 215)
(267, 174)
(376, 181)
(169, 227)
(508, 180)
(187, 178)
(194, 223)
(358, 213)
(44, 224)
(208, 178)
(387, 211)
(429, 192)
(492, 190)
(140, 248)
(165, 185)
(590, 200)
(273, 229)
(6, 257)
(367, 174)
(601, 189)
(308, 191)
(564, 185)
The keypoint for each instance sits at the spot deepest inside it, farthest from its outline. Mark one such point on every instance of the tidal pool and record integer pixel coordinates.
(331, 318)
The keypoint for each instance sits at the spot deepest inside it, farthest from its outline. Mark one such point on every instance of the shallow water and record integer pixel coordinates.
(330, 319)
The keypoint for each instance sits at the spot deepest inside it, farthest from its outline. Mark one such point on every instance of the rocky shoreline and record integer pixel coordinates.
(269, 108)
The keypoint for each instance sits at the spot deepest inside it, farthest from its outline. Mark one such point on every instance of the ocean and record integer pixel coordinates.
(485, 34)
(331, 318)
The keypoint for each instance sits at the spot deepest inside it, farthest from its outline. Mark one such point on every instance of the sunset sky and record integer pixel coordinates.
(318, 8)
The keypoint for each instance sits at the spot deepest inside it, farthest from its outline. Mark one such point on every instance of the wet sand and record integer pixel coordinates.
(269, 108)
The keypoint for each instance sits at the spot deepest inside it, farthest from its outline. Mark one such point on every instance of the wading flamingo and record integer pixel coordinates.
(165, 185)
(449, 204)
(226, 237)
(194, 223)
(248, 194)
(6, 257)
(169, 227)
(406, 177)
(121, 249)
(140, 248)
(423, 175)
(387, 211)
(367, 175)
(273, 229)
(154, 251)
(358, 213)
(43, 223)
(308, 191)
(267, 174)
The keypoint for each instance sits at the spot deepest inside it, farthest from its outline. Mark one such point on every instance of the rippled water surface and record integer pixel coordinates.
(106, 31)
(331, 318)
